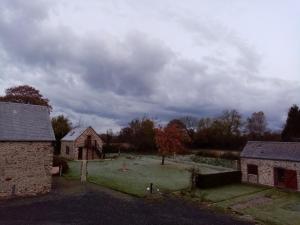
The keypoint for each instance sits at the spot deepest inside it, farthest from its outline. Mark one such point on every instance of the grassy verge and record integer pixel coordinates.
(270, 206)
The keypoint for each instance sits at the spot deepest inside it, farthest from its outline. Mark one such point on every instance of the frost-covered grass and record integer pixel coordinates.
(141, 171)
(279, 208)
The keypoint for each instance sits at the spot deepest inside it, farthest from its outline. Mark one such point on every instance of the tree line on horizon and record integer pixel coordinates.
(226, 131)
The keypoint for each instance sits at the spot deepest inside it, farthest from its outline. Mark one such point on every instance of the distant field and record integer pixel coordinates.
(142, 170)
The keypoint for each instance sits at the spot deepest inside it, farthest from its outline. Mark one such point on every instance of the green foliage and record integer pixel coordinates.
(221, 132)
(61, 126)
(140, 133)
(61, 162)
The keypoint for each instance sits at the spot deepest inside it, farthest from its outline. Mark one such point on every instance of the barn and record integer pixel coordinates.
(26, 149)
(272, 163)
(81, 143)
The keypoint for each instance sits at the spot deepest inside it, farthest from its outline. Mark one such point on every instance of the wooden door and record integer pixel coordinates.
(291, 179)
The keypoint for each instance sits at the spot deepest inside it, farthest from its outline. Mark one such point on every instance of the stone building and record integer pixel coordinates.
(81, 143)
(272, 164)
(26, 149)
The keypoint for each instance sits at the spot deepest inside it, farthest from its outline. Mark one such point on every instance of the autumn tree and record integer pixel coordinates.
(291, 129)
(256, 125)
(61, 126)
(183, 129)
(169, 140)
(25, 94)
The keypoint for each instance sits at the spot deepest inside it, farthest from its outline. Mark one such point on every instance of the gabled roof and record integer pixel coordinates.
(289, 151)
(24, 122)
(74, 134)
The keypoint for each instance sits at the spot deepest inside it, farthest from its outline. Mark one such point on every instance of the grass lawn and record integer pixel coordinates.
(268, 205)
(228, 192)
(142, 170)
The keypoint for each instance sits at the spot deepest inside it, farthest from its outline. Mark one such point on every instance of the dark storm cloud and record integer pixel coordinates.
(130, 69)
(120, 79)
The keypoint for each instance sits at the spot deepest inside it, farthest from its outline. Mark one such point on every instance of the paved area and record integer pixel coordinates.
(75, 204)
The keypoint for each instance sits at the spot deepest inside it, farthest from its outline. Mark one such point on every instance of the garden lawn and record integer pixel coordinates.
(267, 205)
(227, 192)
(142, 170)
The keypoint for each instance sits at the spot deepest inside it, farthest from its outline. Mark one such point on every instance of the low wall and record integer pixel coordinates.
(218, 179)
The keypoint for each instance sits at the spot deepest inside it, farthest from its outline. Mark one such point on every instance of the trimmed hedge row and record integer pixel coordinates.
(218, 179)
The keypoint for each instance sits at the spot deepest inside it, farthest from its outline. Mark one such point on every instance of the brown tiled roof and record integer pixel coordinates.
(289, 151)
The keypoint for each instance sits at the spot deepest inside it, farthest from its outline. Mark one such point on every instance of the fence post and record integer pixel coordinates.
(83, 174)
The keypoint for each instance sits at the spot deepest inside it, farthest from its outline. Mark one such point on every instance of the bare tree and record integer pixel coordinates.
(256, 124)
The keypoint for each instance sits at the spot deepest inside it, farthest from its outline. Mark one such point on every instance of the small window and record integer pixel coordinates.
(67, 150)
(252, 169)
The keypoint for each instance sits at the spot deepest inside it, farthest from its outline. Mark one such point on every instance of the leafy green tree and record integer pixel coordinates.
(140, 133)
(61, 126)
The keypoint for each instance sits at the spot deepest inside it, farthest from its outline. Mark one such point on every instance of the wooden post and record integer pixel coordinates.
(193, 178)
(60, 170)
(83, 174)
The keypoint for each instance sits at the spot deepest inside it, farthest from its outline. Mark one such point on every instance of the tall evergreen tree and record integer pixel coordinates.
(291, 129)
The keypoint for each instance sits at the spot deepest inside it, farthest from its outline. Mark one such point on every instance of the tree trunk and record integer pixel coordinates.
(163, 160)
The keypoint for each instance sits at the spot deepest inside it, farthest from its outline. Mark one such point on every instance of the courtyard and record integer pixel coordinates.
(73, 203)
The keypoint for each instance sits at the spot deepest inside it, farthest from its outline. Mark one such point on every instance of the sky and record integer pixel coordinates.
(104, 63)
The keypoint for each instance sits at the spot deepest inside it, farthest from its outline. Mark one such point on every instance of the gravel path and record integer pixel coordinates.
(75, 204)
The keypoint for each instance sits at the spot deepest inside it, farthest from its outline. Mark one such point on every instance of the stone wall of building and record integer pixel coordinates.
(80, 143)
(266, 170)
(63, 150)
(25, 168)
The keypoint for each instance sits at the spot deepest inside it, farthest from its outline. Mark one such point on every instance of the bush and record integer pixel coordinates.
(61, 162)
(207, 154)
(229, 155)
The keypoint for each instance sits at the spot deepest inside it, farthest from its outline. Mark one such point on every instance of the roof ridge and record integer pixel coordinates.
(24, 104)
(281, 142)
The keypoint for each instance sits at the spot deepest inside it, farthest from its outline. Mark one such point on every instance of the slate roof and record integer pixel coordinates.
(74, 134)
(289, 151)
(24, 122)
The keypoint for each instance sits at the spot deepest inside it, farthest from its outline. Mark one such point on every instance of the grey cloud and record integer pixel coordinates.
(116, 80)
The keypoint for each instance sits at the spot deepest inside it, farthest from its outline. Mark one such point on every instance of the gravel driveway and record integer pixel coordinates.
(75, 204)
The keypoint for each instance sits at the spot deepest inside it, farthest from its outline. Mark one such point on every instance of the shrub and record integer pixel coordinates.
(61, 162)
(229, 155)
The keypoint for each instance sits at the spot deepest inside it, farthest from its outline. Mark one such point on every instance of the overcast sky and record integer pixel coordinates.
(107, 62)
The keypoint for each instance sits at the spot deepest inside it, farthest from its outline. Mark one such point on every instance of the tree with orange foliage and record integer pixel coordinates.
(170, 139)
(25, 94)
